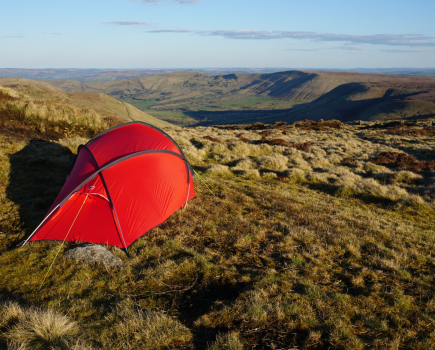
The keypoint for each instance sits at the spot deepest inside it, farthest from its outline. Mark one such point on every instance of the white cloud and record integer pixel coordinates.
(241, 34)
(377, 39)
(404, 50)
(410, 40)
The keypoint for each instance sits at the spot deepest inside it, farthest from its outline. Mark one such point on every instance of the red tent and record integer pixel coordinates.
(124, 182)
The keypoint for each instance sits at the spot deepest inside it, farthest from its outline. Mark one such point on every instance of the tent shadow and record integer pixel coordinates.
(37, 173)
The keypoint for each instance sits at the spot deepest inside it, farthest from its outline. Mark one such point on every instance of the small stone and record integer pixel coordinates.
(92, 254)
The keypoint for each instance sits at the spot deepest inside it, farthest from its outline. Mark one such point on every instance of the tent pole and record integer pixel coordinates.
(120, 229)
(187, 198)
(108, 195)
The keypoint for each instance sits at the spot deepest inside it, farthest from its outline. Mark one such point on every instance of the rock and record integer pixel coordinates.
(92, 254)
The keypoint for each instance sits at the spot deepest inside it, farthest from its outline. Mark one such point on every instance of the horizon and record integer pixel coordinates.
(219, 68)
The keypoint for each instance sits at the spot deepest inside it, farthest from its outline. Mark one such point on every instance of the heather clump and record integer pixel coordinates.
(324, 153)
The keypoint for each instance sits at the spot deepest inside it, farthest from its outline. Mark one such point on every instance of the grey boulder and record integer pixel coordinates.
(92, 254)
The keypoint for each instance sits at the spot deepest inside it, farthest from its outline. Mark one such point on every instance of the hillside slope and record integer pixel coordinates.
(104, 105)
(307, 236)
(285, 96)
(176, 87)
(366, 101)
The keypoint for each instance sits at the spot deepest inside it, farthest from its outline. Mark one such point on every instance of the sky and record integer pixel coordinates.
(217, 33)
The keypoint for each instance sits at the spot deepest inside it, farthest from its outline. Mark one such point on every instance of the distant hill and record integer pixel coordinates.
(115, 74)
(99, 102)
(287, 96)
(372, 101)
(92, 75)
(177, 87)
(428, 72)
(80, 74)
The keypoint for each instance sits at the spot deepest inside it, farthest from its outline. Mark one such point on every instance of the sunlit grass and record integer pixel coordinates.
(337, 256)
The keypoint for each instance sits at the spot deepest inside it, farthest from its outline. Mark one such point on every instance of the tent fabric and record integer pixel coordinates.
(131, 178)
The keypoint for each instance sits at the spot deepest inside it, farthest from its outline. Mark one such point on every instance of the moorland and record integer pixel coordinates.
(192, 98)
(122, 74)
(303, 235)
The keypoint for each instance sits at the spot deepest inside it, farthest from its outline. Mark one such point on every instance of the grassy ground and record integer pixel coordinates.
(277, 264)
(340, 255)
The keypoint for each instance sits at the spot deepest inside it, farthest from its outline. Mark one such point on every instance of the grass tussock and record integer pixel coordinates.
(37, 329)
(144, 329)
(229, 341)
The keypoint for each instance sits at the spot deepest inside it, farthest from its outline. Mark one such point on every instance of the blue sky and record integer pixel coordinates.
(217, 33)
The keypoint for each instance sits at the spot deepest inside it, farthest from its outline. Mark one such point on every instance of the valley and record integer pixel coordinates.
(188, 98)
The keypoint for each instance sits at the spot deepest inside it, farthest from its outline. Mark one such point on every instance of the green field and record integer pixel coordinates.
(144, 104)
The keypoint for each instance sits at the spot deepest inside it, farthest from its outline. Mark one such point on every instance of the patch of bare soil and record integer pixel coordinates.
(402, 161)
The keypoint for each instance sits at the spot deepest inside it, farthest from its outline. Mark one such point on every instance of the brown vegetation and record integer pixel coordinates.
(266, 133)
(349, 162)
(275, 142)
(402, 161)
(320, 125)
(212, 139)
(403, 129)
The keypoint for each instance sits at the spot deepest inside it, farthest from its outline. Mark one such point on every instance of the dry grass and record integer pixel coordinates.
(37, 329)
(23, 115)
(339, 159)
(337, 256)
(229, 341)
(149, 329)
